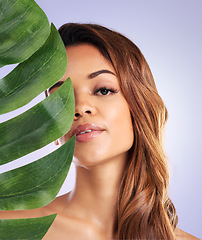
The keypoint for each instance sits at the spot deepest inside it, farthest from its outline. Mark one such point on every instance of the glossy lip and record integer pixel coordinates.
(85, 137)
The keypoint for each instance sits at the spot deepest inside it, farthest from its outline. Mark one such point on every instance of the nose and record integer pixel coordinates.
(83, 106)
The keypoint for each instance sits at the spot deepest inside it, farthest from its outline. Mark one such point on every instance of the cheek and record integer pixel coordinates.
(121, 125)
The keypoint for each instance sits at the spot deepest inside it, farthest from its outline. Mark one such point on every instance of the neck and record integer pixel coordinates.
(96, 192)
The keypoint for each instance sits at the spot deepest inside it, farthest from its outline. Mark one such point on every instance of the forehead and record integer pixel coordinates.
(84, 62)
(86, 57)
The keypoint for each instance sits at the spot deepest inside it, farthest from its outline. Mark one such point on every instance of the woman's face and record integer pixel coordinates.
(102, 122)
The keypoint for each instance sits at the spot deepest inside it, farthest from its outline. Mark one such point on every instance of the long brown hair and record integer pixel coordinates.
(144, 210)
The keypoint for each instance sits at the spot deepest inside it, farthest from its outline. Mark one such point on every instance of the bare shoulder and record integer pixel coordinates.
(32, 213)
(64, 226)
(181, 235)
(68, 226)
(72, 228)
(49, 209)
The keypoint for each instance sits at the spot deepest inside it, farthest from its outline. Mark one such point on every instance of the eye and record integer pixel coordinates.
(105, 91)
(55, 87)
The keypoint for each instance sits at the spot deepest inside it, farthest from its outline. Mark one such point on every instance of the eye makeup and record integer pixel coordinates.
(104, 90)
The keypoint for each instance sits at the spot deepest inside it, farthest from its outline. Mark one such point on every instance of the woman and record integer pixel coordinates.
(121, 172)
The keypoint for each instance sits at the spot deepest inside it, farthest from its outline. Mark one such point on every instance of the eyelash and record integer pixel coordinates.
(111, 90)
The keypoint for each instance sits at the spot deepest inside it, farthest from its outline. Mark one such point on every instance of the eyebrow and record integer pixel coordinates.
(90, 76)
(95, 74)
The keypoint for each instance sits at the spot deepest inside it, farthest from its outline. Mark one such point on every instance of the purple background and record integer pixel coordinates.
(169, 33)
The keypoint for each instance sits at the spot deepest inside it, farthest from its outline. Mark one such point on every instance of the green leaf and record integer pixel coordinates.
(39, 126)
(37, 183)
(21, 229)
(23, 29)
(35, 75)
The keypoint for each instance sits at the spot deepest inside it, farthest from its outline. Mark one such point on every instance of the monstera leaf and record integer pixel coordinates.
(27, 39)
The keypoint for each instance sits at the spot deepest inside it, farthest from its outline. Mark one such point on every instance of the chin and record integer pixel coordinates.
(87, 162)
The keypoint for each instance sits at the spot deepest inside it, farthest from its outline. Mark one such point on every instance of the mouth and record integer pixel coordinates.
(87, 132)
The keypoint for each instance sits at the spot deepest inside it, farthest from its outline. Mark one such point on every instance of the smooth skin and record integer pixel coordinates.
(87, 212)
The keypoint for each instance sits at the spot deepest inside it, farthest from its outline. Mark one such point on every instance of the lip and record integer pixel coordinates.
(92, 131)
